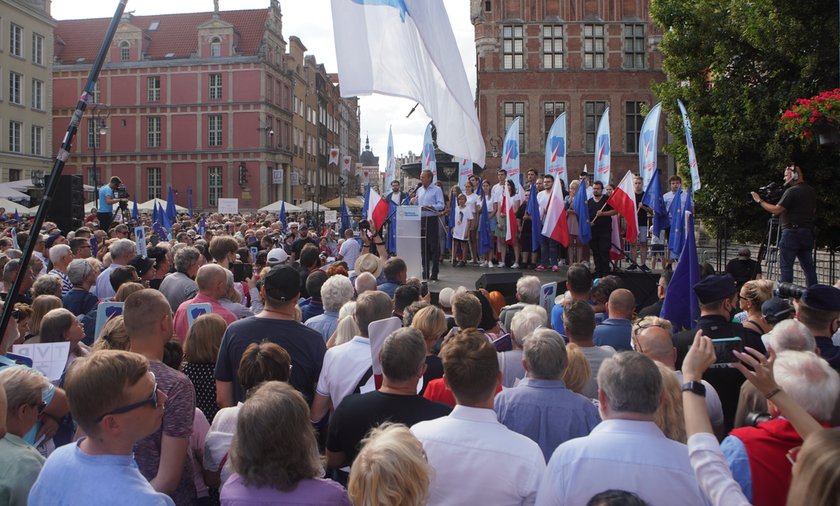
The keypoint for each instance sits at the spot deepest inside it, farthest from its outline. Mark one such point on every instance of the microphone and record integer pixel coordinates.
(419, 185)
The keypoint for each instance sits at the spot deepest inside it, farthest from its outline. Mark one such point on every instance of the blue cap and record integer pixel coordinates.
(714, 288)
(822, 297)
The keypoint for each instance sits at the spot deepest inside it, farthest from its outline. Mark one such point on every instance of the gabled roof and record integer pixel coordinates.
(175, 33)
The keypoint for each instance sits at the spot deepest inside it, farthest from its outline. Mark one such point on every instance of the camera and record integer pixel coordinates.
(122, 194)
(753, 419)
(789, 290)
(771, 192)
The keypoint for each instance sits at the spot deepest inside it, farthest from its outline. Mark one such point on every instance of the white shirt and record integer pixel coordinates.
(349, 252)
(218, 440)
(542, 201)
(344, 366)
(715, 477)
(624, 455)
(713, 405)
(473, 202)
(104, 289)
(496, 193)
(477, 460)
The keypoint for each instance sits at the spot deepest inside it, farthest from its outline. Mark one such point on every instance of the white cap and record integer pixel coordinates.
(276, 256)
(445, 297)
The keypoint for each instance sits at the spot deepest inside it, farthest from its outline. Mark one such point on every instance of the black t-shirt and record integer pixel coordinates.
(603, 224)
(641, 213)
(358, 413)
(800, 203)
(434, 370)
(305, 347)
(298, 245)
(743, 270)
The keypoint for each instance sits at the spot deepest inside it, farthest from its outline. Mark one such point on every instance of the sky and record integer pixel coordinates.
(315, 31)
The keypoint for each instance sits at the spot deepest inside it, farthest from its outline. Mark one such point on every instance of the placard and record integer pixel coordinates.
(104, 312)
(48, 358)
(196, 310)
(331, 216)
(229, 206)
(547, 296)
(377, 332)
(14, 239)
(140, 241)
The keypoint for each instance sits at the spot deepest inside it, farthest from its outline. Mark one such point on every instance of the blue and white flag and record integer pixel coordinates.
(465, 170)
(427, 156)
(680, 305)
(171, 212)
(390, 162)
(555, 151)
(510, 155)
(579, 206)
(135, 212)
(202, 227)
(406, 48)
(602, 150)
(647, 144)
(653, 199)
(692, 156)
(345, 217)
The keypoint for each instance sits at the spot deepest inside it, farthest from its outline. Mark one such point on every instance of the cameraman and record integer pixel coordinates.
(107, 199)
(796, 210)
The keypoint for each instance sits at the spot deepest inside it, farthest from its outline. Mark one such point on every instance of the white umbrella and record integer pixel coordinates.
(12, 206)
(309, 205)
(150, 204)
(7, 192)
(275, 207)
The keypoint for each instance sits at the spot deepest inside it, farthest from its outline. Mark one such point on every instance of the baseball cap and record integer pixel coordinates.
(822, 297)
(276, 256)
(714, 288)
(776, 309)
(141, 264)
(282, 282)
(445, 297)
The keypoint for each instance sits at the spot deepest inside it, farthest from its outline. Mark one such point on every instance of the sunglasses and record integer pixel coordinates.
(152, 401)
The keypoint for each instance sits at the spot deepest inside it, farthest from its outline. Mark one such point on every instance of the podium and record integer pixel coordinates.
(409, 239)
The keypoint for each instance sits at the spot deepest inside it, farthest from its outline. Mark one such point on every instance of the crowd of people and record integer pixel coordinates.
(275, 396)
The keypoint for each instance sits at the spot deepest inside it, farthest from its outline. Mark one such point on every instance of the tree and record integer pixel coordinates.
(737, 66)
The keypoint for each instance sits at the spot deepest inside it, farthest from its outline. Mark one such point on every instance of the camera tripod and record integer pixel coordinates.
(122, 211)
(771, 248)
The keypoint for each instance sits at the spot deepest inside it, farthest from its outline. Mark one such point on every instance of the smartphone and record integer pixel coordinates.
(723, 351)
(241, 272)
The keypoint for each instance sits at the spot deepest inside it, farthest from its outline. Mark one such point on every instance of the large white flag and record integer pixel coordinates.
(602, 150)
(692, 156)
(390, 162)
(555, 151)
(510, 154)
(406, 48)
(647, 144)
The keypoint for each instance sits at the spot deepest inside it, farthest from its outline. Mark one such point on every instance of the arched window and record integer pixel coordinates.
(124, 51)
(215, 46)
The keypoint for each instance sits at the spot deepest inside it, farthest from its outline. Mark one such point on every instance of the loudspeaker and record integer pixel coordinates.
(504, 282)
(642, 284)
(67, 210)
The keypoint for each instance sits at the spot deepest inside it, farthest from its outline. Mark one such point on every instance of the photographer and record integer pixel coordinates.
(108, 196)
(796, 211)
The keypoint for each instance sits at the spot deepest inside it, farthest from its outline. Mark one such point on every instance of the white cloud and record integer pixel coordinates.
(309, 21)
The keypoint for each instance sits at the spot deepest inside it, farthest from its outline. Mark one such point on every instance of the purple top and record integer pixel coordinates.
(312, 492)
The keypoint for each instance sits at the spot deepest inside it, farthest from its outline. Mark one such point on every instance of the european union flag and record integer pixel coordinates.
(171, 212)
(345, 216)
(536, 222)
(391, 240)
(283, 215)
(135, 213)
(680, 306)
(653, 199)
(485, 241)
(582, 210)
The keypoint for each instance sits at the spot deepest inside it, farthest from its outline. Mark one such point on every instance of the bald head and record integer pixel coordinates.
(621, 304)
(657, 344)
(211, 280)
(144, 312)
(365, 282)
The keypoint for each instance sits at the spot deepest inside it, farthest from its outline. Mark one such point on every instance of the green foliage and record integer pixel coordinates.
(737, 66)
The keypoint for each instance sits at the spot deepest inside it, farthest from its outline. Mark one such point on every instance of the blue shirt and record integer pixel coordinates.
(312, 309)
(71, 476)
(614, 332)
(739, 463)
(104, 206)
(389, 287)
(430, 197)
(324, 323)
(557, 319)
(546, 412)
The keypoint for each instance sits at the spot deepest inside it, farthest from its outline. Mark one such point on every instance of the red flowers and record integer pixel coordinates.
(809, 113)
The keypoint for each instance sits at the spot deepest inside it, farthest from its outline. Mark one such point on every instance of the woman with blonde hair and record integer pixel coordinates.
(753, 294)
(669, 415)
(816, 475)
(390, 470)
(127, 289)
(200, 351)
(346, 328)
(274, 454)
(113, 336)
(578, 370)
(431, 322)
(42, 305)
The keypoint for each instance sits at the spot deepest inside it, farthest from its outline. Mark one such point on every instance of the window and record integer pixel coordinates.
(634, 46)
(37, 49)
(594, 46)
(15, 88)
(214, 185)
(153, 182)
(592, 112)
(36, 140)
(15, 174)
(553, 47)
(214, 130)
(16, 40)
(96, 92)
(513, 47)
(488, 6)
(93, 177)
(632, 126)
(215, 86)
(215, 47)
(550, 112)
(14, 136)
(154, 88)
(153, 131)
(513, 110)
(93, 134)
(125, 53)
(38, 94)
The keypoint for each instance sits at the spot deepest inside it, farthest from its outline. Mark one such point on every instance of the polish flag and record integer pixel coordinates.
(555, 225)
(623, 200)
(377, 211)
(616, 251)
(509, 205)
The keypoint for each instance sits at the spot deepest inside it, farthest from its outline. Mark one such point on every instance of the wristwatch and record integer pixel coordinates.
(694, 387)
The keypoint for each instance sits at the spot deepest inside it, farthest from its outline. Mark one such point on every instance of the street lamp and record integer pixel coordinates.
(100, 113)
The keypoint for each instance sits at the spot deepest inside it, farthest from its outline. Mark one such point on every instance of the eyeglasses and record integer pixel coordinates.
(152, 401)
(792, 454)
(41, 406)
(642, 326)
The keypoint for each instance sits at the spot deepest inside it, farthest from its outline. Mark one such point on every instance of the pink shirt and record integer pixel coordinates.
(181, 324)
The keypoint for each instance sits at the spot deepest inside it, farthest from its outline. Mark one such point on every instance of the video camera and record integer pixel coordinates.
(122, 194)
(771, 192)
(789, 290)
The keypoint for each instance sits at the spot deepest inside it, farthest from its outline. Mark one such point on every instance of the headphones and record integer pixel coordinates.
(794, 176)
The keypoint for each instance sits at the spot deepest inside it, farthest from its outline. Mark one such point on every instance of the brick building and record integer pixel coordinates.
(539, 58)
(201, 101)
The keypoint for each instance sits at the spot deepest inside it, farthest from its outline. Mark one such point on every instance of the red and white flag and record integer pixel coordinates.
(333, 156)
(623, 200)
(509, 205)
(377, 211)
(616, 252)
(555, 225)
